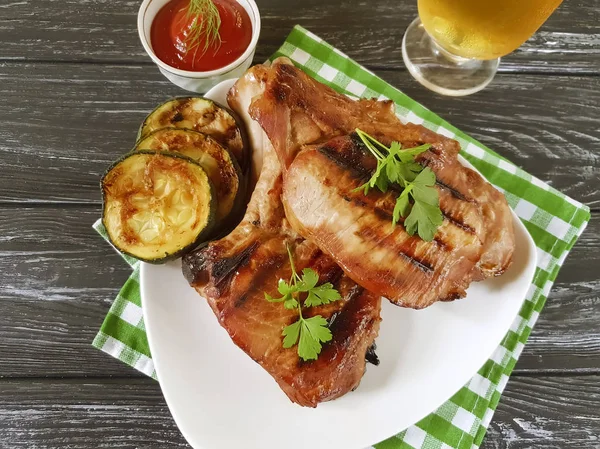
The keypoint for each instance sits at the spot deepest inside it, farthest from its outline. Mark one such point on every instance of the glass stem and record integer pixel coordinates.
(454, 59)
(439, 68)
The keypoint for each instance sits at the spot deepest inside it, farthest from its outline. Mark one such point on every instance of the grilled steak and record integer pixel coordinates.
(302, 118)
(234, 273)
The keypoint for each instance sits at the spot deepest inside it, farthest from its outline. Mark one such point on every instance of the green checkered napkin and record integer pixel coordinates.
(554, 220)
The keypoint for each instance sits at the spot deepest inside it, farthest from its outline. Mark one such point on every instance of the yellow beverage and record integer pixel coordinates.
(483, 29)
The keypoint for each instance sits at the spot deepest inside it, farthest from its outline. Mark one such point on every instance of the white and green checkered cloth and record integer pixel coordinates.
(554, 220)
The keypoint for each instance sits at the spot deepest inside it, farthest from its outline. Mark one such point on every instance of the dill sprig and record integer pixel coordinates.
(205, 24)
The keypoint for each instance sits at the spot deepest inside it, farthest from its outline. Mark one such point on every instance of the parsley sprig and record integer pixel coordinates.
(419, 202)
(308, 333)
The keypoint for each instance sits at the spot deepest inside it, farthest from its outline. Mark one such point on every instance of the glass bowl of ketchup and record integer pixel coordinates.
(164, 27)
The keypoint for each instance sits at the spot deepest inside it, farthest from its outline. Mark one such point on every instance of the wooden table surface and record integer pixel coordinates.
(75, 84)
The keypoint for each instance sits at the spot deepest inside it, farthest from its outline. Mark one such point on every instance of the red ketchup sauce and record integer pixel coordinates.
(170, 28)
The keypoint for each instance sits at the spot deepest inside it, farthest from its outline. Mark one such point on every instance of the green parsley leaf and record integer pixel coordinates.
(313, 332)
(419, 201)
(364, 188)
(395, 149)
(323, 294)
(382, 183)
(408, 171)
(409, 154)
(284, 288)
(423, 188)
(308, 333)
(291, 334)
(379, 173)
(423, 219)
(402, 207)
(271, 299)
(392, 172)
(290, 304)
(308, 280)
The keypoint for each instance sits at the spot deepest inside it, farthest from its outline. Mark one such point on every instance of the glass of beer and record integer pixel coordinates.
(454, 47)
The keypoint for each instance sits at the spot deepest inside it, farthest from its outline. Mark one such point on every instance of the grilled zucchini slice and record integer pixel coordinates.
(221, 168)
(201, 114)
(157, 205)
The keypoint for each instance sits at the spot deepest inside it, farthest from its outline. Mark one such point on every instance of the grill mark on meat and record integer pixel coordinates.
(455, 221)
(384, 214)
(342, 325)
(267, 265)
(371, 235)
(427, 162)
(355, 200)
(224, 268)
(435, 150)
(351, 161)
(282, 89)
(453, 191)
(351, 158)
(194, 268)
(359, 202)
(286, 69)
(444, 246)
(420, 264)
(356, 140)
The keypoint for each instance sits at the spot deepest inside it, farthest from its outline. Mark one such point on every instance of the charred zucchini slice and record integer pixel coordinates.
(217, 162)
(201, 114)
(156, 205)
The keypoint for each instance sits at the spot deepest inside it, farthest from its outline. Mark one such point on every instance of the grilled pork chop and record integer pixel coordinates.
(321, 203)
(234, 273)
(302, 118)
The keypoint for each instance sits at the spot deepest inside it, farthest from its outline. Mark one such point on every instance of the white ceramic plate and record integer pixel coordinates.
(221, 399)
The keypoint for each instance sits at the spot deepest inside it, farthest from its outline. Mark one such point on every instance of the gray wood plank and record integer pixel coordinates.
(547, 412)
(565, 337)
(63, 124)
(86, 413)
(541, 413)
(371, 32)
(58, 279)
(53, 337)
